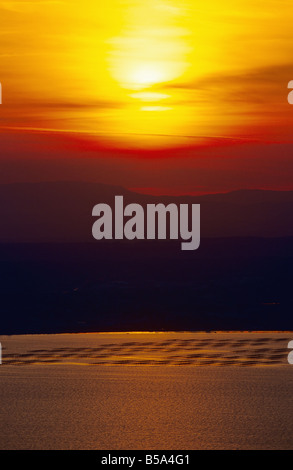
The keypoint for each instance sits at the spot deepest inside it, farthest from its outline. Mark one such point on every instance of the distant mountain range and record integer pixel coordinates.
(61, 211)
(65, 281)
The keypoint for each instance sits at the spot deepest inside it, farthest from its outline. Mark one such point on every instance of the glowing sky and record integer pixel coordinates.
(115, 67)
(133, 74)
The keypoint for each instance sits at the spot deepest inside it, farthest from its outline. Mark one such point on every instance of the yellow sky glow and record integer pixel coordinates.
(133, 70)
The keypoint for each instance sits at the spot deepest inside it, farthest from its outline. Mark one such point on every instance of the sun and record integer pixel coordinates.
(146, 75)
(145, 61)
(146, 54)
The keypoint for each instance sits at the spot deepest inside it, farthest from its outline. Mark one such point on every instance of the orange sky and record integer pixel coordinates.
(187, 85)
